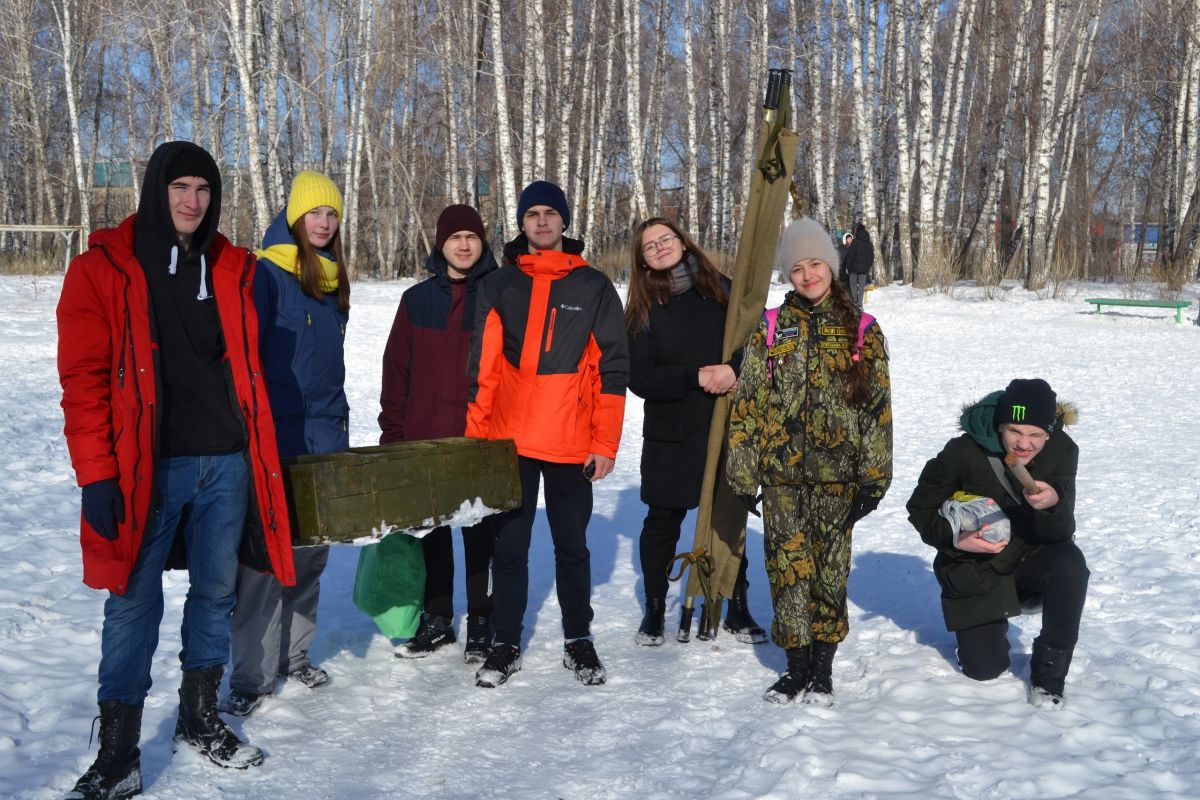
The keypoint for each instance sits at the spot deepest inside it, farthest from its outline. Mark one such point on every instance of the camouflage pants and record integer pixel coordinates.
(808, 561)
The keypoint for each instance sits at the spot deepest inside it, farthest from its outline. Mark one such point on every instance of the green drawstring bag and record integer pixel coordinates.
(390, 584)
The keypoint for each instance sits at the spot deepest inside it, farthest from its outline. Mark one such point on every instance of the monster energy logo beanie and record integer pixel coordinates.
(1028, 401)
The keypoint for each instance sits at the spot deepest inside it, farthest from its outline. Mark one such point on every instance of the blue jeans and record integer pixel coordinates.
(214, 490)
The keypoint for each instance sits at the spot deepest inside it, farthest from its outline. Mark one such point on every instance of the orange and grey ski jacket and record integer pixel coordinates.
(550, 359)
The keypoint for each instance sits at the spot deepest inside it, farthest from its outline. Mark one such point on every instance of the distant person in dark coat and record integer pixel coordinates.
(424, 396)
(675, 316)
(857, 261)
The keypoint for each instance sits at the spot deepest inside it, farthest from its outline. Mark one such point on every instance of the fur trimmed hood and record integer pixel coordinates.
(977, 420)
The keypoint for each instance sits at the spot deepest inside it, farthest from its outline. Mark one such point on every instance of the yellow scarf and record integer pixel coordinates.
(286, 257)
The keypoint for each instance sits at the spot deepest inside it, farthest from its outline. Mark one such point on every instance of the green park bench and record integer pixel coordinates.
(1178, 305)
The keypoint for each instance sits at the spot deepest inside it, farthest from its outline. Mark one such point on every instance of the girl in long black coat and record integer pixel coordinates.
(675, 315)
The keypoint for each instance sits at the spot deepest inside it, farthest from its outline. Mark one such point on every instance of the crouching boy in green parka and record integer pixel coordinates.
(986, 578)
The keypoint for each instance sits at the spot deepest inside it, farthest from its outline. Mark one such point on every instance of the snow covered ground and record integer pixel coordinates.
(683, 721)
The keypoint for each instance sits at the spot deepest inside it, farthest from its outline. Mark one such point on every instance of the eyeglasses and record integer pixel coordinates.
(650, 248)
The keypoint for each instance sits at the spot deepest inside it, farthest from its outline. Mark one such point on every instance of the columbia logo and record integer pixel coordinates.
(566, 307)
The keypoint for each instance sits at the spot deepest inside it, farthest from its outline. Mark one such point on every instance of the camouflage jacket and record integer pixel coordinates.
(791, 425)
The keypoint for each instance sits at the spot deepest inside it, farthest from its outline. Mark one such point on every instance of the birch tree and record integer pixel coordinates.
(506, 203)
(66, 18)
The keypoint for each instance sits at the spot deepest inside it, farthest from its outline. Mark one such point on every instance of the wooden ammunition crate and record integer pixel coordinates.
(339, 497)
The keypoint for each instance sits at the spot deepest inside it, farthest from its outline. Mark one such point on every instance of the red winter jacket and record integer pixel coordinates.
(107, 364)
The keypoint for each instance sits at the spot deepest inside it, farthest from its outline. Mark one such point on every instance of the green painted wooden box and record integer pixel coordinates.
(340, 497)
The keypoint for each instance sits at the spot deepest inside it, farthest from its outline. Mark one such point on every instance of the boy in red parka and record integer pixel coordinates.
(171, 437)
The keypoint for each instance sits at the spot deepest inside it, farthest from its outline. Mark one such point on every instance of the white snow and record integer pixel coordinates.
(683, 721)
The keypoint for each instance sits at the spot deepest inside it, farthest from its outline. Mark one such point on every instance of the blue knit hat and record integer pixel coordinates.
(543, 193)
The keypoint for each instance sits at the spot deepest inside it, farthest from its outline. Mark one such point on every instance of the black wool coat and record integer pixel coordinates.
(682, 336)
(979, 588)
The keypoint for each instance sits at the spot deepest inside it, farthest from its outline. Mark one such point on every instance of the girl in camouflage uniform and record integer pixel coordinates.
(812, 425)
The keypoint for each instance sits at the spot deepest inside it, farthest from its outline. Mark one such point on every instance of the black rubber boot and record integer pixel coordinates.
(792, 682)
(738, 620)
(117, 770)
(650, 632)
(201, 726)
(685, 624)
(819, 690)
(1048, 675)
(705, 633)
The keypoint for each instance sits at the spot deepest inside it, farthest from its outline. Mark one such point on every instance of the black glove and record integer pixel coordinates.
(103, 507)
(750, 501)
(862, 505)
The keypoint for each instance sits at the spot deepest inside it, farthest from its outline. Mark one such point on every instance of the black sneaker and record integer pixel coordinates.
(503, 660)
(310, 676)
(580, 656)
(241, 704)
(433, 634)
(479, 639)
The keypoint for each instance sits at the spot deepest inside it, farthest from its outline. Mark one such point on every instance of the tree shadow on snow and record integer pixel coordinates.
(901, 588)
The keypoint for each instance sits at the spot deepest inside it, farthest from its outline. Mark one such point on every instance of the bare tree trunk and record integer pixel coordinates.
(502, 156)
(357, 87)
(240, 30)
(272, 15)
(654, 103)
(904, 166)
(633, 112)
(1079, 78)
(928, 226)
(952, 111)
(565, 132)
(691, 135)
(580, 163)
(864, 121)
(595, 186)
(65, 17)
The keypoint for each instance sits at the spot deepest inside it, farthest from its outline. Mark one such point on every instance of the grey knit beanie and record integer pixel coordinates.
(805, 238)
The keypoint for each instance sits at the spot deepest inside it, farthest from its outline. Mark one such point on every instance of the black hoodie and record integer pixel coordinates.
(197, 415)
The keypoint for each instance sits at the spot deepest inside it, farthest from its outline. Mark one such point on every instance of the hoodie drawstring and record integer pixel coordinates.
(203, 293)
(174, 260)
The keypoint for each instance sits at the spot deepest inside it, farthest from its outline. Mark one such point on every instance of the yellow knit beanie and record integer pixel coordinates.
(311, 190)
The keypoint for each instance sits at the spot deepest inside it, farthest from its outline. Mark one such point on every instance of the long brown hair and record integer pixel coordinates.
(649, 286)
(310, 265)
(858, 392)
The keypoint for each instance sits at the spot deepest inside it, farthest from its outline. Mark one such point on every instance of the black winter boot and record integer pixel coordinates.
(1048, 675)
(819, 690)
(200, 726)
(738, 620)
(792, 682)
(117, 770)
(650, 632)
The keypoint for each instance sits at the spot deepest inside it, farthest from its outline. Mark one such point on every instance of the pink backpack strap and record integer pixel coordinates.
(864, 322)
(770, 315)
